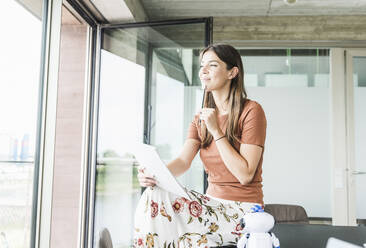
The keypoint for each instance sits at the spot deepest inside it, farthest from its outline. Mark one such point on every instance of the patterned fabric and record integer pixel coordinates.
(165, 220)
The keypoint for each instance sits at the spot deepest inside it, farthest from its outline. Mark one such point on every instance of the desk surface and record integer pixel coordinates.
(316, 236)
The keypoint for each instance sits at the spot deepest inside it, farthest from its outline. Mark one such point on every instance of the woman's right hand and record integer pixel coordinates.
(145, 180)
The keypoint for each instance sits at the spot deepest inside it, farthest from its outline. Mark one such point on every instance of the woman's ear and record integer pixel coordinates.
(234, 72)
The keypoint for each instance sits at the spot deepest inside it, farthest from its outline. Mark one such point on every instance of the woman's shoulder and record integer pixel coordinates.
(251, 106)
(252, 114)
(252, 111)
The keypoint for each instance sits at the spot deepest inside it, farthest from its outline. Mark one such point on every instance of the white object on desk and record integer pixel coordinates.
(148, 157)
(337, 243)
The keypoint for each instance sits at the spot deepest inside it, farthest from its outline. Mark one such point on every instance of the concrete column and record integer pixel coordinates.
(68, 145)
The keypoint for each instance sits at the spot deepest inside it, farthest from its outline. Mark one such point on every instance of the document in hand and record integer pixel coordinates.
(148, 157)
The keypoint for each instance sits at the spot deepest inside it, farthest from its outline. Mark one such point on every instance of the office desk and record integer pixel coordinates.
(316, 236)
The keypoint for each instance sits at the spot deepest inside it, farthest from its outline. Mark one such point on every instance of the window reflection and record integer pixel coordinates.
(177, 96)
(121, 119)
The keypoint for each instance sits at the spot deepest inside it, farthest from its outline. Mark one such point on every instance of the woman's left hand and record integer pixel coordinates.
(209, 117)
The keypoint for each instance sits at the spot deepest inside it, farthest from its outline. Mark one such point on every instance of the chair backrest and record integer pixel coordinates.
(284, 213)
(105, 240)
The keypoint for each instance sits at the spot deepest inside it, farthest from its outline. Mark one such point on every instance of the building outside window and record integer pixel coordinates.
(20, 49)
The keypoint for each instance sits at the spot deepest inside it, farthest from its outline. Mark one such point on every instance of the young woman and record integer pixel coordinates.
(230, 134)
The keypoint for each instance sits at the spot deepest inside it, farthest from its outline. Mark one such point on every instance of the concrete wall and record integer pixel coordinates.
(275, 31)
(294, 28)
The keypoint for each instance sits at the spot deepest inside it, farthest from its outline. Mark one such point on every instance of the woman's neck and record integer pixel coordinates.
(221, 102)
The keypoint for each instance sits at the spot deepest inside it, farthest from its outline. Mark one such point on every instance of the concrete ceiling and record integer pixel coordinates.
(116, 11)
(113, 11)
(157, 9)
(245, 22)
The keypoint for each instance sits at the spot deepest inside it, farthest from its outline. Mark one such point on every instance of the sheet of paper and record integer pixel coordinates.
(148, 157)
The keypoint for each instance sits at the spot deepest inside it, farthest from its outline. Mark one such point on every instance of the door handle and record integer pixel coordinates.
(359, 173)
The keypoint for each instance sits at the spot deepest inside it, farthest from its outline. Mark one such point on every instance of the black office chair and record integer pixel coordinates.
(105, 240)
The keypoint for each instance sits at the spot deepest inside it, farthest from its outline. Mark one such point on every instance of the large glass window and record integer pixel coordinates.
(292, 85)
(177, 96)
(20, 49)
(148, 93)
(121, 115)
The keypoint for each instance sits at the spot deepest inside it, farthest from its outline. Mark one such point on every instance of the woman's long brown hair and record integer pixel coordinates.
(236, 98)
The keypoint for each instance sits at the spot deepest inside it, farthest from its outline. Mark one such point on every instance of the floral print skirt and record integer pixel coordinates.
(165, 220)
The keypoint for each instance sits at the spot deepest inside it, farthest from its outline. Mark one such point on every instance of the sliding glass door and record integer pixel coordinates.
(148, 92)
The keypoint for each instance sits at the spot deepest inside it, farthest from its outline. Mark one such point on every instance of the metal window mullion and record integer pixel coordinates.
(93, 138)
(208, 41)
(148, 95)
(87, 137)
(34, 232)
(154, 23)
(46, 132)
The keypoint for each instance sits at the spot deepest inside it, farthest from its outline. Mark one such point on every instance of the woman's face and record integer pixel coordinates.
(213, 72)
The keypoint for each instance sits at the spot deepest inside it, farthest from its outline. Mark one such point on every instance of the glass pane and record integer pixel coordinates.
(19, 77)
(121, 113)
(125, 62)
(359, 79)
(292, 85)
(176, 97)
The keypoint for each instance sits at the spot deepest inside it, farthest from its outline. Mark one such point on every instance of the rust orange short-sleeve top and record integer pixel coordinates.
(221, 182)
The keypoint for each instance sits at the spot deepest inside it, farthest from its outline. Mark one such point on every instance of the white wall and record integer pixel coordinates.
(296, 166)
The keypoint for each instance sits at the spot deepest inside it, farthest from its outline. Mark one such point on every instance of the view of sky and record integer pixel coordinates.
(20, 53)
(121, 109)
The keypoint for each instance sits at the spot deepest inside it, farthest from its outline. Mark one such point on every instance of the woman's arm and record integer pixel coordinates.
(183, 162)
(243, 165)
(177, 166)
